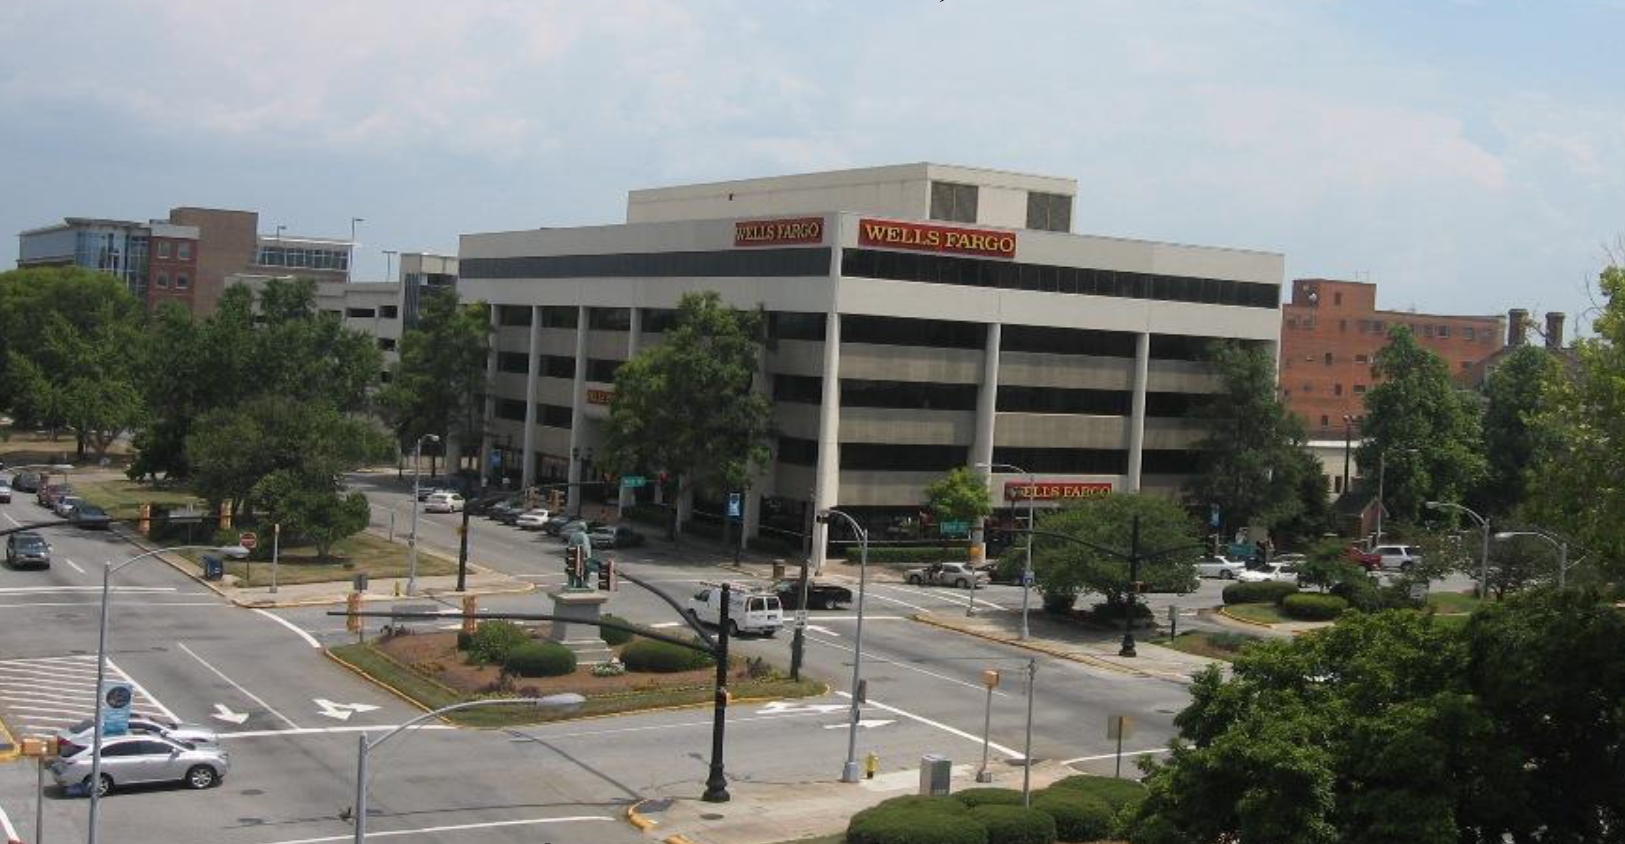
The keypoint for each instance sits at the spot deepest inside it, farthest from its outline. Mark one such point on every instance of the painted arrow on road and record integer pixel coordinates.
(865, 723)
(342, 711)
(224, 713)
(824, 630)
(784, 707)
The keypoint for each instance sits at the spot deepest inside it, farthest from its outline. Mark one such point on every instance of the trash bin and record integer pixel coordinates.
(213, 567)
(936, 771)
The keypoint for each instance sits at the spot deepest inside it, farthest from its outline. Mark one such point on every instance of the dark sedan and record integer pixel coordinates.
(820, 596)
(89, 516)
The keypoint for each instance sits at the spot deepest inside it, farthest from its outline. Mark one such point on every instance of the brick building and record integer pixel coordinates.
(1330, 333)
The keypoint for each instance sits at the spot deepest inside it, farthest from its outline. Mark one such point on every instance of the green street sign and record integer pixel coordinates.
(633, 481)
(955, 528)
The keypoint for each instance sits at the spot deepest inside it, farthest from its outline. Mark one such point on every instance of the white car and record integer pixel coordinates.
(1278, 572)
(533, 519)
(748, 611)
(443, 502)
(1400, 557)
(1221, 567)
(5, 494)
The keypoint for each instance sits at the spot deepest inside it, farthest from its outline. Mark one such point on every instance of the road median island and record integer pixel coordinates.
(430, 670)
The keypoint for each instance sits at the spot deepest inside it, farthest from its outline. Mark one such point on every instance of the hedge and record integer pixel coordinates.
(915, 819)
(1268, 592)
(1313, 607)
(974, 797)
(656, 657)
(540, 659)
(610, 635)
(1116, 793)
(1109, 611)
(492, 642)
(1078, 816)
(1015, 824)
(915, 554)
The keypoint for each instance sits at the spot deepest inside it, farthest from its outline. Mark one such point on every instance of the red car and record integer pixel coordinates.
(48, 495)
(1363, 559)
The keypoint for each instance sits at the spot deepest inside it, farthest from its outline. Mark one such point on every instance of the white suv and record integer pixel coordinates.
(443, 502)
(1400, 557)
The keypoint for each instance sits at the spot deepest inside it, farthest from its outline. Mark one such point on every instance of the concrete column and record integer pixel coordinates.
(987, 408)
(490, 410)
(578, 418)
(533, 372)
(624, 497)
(761, 479)
(827, 482)
(1136, 427)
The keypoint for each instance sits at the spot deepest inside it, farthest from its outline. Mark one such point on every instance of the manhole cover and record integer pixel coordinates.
(711, 816)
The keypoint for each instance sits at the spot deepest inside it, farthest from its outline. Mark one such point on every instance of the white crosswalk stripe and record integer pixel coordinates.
(44, 694)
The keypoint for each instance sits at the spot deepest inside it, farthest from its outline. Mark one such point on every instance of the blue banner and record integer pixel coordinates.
(116, 700)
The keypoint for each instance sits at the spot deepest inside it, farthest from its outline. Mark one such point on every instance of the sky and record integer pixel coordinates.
(1467, 156)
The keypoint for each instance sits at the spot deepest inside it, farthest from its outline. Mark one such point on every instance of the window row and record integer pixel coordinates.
(908, 395)
(161, 280)
(1008, 275)
(274, 255)
(182, 249)
(550, 415)
(732, 263)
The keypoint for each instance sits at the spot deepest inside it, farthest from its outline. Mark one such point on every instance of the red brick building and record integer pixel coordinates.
(1330, 333)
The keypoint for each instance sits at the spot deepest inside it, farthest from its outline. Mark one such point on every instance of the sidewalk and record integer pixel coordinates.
(766, 813)
(1080, 644)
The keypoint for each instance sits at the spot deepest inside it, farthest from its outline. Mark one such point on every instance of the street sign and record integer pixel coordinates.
(116, 699)
(1419, 591)
(633, 481)
(736, 506)
(955, 528)
(1027, 579)
(990, 678)
(1119, 727)
(247, 539)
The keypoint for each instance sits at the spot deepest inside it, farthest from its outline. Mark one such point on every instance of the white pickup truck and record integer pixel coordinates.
(749, 611)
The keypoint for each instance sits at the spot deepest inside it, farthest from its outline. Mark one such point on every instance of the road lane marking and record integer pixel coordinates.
(427, 830)
(251, 696)
(951, 598)
(6, 827)
(131, 590)
(142, 690)
(652, 727)
(120, 603)
(899, 603)
(73, 565)
(1013, 754)
(1100, 756)
(13, 521)
(309, 639)
(317, 731)
(871, 657)
(44, 692)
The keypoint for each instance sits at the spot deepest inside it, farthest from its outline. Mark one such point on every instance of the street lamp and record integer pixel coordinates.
(389, 263)
(108, 570)
(1382, 483)
(849, 771)
(349, 267)
(1561, 546)
(412, 544)
(560, 702)
(1348, 447)
(1027, 568)
(1484, 555)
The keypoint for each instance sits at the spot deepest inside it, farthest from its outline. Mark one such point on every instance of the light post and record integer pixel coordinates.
(1027, 567)
(1382, 483)
(108, 570)
(412, 543)
(1484, 554)
(990, 679)
(1561, 546)
(389, 263)
(349, 267)
(569, 700)
(1348, 448)
(849, 771)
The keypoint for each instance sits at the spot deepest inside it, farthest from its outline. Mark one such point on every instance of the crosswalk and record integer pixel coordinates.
(44, 694)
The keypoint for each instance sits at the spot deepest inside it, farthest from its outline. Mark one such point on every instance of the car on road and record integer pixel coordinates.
(5, 494)
(959, 575)
(820, 596)
(425, 492)
(28, 549)
(749, 611)
(577, 526)
(25, 481)
(90, 517)
(1361, 557)
(503, 508)
(48, 494)
(443, 502)
(1278, 572)
(556, 524)
(133, 759)
(1220, 566)
(532, 519)
(72, 738)
(1401, 557)
(615, 536)
(64, 504)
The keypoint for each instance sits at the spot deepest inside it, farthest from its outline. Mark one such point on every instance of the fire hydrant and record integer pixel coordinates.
(871, 764)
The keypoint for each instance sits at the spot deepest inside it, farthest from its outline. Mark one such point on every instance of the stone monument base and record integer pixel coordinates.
(572, 608)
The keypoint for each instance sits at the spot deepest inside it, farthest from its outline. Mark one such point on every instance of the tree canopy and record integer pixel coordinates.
(438, 384)
(1514, 399)
(1067, 569)
(961, 495)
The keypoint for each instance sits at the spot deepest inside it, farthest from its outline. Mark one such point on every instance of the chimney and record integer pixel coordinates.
(1517, 326)
(1554, 329)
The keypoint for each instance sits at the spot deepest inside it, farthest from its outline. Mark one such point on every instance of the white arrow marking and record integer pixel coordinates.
(784, 707)
(865, 723)
(224, 713)
(342, 711)
(824, 630)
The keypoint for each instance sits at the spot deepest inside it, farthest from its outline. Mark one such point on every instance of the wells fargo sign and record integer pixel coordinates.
(779, 232)
(596, 396)
(1055, 490)
(926, 237)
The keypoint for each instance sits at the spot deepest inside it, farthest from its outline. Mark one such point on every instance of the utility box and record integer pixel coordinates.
(213, 567)
(936, 772)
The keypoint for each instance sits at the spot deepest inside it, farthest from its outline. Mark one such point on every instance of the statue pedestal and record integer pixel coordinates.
(584, 640)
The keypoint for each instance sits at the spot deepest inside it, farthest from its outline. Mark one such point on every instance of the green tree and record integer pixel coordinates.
(961, 496)
(42, 304)
(311, 506)
(1254, 465)
(438, 385)
(1514, 399)
(1066, 570)
(685, 405)
(1423, 426)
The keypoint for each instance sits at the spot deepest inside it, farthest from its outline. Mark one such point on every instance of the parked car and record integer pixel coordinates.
(748, 611)
(25, 481)
(959, 575)
(5, 494)
(132, 759)
(1363, 558)
(28, 549)
(74, 737)
(1279, 572)
(577, 526)
(48, 494)
(1220, 566)
(532, 519)
(425, 491)
(502, 508)
(1400, 557)
(820, 596)
(64, 504)
(443, 502)
(90, 517)
(616, 536)
(555, 525)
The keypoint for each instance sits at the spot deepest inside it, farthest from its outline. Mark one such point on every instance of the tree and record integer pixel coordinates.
(312, 507)
(959, 496)
(1065, 569)
(686, 407)
(1422, 426)
(1514, 399)
(1254, 465)
(438, 385)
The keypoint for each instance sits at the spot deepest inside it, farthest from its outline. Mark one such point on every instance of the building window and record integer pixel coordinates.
(1337, 484)
(360, 313)
(900, 457)
(1078, 461)
(1427, 331)
(554, 416)
(511, 410)
(1468, 333)
(1466, 364)
(798, 452)
(953, 203)
(1067, 341)
(1291, 322)
(183, 251)
(609, 319)
(658, 320)
(1049, 212)
(1307, 388)
(1325, 420)
(386, 344)
(163, 280)
(1444, 332)
(1343, 325)
(801, 389)
(558, 366)
(1359, 389)
(1337, 299)
(796, 325)
(385, 376)
(1019, 399)
(163, 249)
(514, 315)
(1337, 390)
(1362, 358)
(390, 312)
(1328, 358)
(182, 282)
(899, 331)
(907, 395)
(602, 370)
(513, 362)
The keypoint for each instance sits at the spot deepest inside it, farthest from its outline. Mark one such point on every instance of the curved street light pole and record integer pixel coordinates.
(1027, 568)
(849, 770)
(1562, 552)
(1484, 553)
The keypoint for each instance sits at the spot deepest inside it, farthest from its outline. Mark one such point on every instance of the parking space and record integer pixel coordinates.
(41, 695)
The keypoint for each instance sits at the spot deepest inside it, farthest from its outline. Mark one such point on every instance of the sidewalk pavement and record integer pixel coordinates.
(1086, 645)
(765, 813)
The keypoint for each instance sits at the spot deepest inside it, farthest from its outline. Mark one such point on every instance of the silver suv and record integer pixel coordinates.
(131, 759)
(28, 549)
(1400, 557)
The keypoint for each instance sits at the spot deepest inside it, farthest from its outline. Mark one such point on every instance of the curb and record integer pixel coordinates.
(1072, 657)
(9, 750)
(677, 839)
(1225, 611)
(638, 819)
(327, 652)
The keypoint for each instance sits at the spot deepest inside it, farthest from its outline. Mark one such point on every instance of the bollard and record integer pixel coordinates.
(871, 764)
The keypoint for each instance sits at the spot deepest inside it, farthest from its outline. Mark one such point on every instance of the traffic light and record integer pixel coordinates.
(532, 498)
(555, 500)
(576, 563)
(606, 575)
(352, 605)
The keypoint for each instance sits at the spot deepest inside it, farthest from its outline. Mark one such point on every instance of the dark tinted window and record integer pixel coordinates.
(1080, 461)
(609, 319)
(513, 314)
(803, 389)
(558, 366)
(553, 415)
(1049, 212)
(599, 369)
(795, 325)
(898, 331)
(1066, 341)
(1171, 462)
(1173, 405)
(1179, 347)
(908, 395)
(892, 457)
(511, 410)
(1014, 399)
(953, 202)
(390, 311)
(798, 452)
(658, 320)
(733, 263)
(360, 313)
(512, 362)
(560, 316)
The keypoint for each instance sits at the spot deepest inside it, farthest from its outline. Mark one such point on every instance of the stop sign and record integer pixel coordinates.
(248, 540)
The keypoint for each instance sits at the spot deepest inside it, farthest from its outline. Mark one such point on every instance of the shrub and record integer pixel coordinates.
(491, 643)
(656, 657)
(1015, 824)
(1116, 793)
(974, 797)
(1059, 603)
(1313, 607)
(1231, 642)
(613, 637)
(1268, 592)
(464, 640)
(916, 554)
(1078, 816)
(1010, 566)
(539, 659)
(942, 805)
(914, 819)
(1361, 594)
(1114, 611)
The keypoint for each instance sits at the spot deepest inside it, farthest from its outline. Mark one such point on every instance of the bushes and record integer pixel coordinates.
(916, 554)
(1015, 825)
(1362, 594)
(539, 659)
(1313, 607)
(655, 657)
(610, 635)
(1078, 816)
(1115, 793)
(1059, 603)
(974, 797)
(1268, 592)
(916, 820)
(1114, 611)
(492, 642)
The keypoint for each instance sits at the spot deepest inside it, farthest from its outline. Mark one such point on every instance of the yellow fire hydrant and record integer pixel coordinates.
(871, 764)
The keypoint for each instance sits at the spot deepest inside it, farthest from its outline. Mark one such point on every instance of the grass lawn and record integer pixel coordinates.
(1262, 613)
(20, 446)
(1452, 603)
(1223, 646)
(363, 552)
(124, 497)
